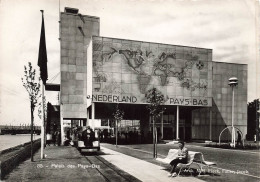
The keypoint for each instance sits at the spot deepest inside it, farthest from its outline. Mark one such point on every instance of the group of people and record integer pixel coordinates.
(103, 135)
(54, 138)
(85, 134)
(88, 136)
(129, 136)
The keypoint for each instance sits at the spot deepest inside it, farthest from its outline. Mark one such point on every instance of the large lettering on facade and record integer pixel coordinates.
(133, 100)
(189, 102)
(114, 98)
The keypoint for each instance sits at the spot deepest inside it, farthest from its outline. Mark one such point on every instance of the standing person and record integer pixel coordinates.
(58, 138)
(92, 136)
(48, 139)
(239, 137)
(68, 134)
(105, 133)
(54, 138)
(182, 158)
(101, 134)
(126, 135)
(84, 135)
(73, 136)
(87, 137)
(80, 129)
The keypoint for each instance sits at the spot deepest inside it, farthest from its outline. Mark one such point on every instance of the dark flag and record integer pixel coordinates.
(42, 59)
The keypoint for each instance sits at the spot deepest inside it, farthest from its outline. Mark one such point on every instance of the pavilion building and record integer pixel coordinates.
(97, 73)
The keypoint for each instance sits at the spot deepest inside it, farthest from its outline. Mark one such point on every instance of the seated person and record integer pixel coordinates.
(182, 158)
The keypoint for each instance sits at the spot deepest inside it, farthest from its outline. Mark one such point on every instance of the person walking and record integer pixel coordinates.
(239, 139)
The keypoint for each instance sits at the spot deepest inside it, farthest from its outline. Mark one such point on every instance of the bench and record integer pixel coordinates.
(194, 158)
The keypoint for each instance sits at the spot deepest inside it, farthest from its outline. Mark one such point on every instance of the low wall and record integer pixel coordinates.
(12, 157)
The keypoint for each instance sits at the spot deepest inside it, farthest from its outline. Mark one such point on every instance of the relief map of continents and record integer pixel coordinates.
(127, 69)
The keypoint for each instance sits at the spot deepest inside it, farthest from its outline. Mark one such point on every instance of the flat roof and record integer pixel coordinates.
(229, 63)
(152, 42)
(79, 14)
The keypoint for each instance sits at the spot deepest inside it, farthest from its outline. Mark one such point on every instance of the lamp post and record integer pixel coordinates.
(233, 81)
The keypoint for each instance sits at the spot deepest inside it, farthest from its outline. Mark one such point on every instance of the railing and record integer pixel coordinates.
(231, 128)
(18, 131)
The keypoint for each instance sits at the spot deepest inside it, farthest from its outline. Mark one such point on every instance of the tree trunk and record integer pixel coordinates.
(116, 133)
(153, 137)
(32, 132)
(156, 137)
(44, 129)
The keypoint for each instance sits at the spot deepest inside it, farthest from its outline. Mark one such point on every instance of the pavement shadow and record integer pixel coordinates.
(63, 158)
(100, 153)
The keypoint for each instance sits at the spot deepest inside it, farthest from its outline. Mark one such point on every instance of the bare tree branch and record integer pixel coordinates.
(31, 85)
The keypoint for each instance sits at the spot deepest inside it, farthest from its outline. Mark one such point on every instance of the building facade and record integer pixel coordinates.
(97, 73)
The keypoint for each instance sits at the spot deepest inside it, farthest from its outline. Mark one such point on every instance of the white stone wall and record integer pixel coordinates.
(74, 44)
(222, 103)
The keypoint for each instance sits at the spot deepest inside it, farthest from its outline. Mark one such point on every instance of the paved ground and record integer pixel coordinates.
(67, 164)
(141, 169)
(204, 145)
(246, 162)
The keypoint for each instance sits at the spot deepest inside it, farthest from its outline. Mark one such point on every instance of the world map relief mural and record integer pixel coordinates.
(130, 69)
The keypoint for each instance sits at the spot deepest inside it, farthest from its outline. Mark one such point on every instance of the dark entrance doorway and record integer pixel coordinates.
(167, 133)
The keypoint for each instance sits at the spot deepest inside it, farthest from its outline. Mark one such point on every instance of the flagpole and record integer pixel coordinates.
(42, 126)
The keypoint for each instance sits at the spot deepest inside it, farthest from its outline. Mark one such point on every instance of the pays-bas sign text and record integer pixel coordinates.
(135, 100)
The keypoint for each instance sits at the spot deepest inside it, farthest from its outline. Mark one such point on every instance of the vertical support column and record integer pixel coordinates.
(120, 127)
(87, 117)
(173, 130)
(184, 130)
(108, 126)
(210, 124)
(116, 130)
(93, 113)
(150, 123)
(233, 130)
(162, 126)
(42, 124)
(61, 126)
(177, 123)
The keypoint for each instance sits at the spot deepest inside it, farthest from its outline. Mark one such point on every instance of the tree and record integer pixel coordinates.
(155, 98)
(118, 115)
(253, 120)
(32, 87)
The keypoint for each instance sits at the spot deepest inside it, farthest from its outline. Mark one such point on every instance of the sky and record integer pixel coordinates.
(229, 27)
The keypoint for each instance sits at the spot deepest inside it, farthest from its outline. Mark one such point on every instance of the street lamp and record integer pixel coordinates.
(233, 81)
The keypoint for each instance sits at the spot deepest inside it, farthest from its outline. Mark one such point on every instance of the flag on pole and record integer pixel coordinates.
(42, 58)
(42, 63)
